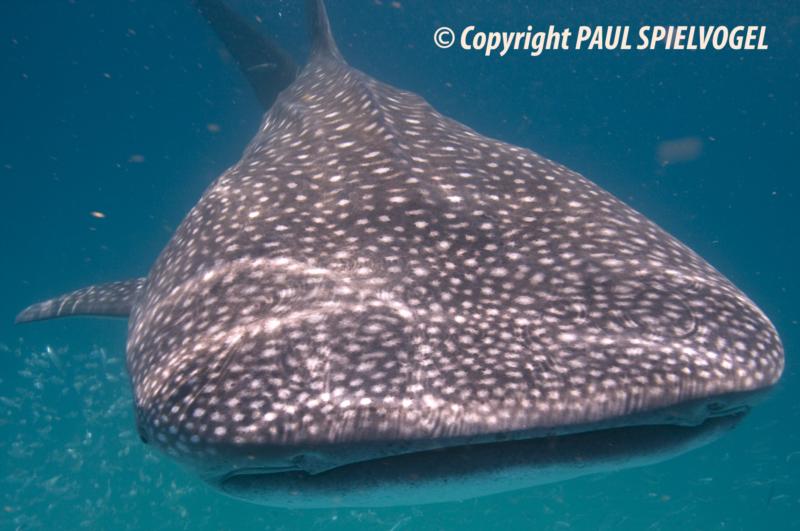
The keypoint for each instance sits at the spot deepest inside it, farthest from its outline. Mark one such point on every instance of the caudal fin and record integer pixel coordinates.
(267, 67)
(114, 299)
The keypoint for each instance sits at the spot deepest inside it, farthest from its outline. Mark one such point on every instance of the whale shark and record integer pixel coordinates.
(377, 305)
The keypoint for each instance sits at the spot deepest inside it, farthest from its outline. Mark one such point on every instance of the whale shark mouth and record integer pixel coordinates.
(473, 470)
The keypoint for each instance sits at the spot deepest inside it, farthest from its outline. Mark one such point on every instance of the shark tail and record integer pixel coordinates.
(268, 68)
(114, 299)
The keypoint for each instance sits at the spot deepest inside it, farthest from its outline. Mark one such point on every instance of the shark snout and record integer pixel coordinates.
(711, 336)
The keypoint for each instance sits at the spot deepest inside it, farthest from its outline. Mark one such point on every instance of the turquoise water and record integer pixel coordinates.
(130, 110)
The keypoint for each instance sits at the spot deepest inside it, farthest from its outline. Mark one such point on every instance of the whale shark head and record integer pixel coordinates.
(376, 301)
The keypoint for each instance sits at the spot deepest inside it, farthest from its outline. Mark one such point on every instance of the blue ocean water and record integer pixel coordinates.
(129, 109)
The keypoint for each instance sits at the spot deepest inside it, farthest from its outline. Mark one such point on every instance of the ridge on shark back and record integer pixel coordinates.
(379, 306)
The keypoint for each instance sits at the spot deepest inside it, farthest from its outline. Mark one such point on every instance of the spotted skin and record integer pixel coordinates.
(373, 278)
(371, 270)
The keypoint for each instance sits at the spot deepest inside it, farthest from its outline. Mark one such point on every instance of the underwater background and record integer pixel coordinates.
(118, 113)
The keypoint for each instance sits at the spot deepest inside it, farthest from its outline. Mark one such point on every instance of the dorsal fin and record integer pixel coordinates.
(322, 42)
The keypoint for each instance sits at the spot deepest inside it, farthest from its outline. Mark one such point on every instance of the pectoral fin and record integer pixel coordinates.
(114, 299)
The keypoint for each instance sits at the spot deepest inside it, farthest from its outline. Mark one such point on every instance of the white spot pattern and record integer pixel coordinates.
(372, 271)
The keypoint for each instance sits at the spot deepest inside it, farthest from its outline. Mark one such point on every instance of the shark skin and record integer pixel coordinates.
(377, 305)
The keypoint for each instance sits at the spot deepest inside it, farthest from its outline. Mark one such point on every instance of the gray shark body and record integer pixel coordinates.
(377, 305)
